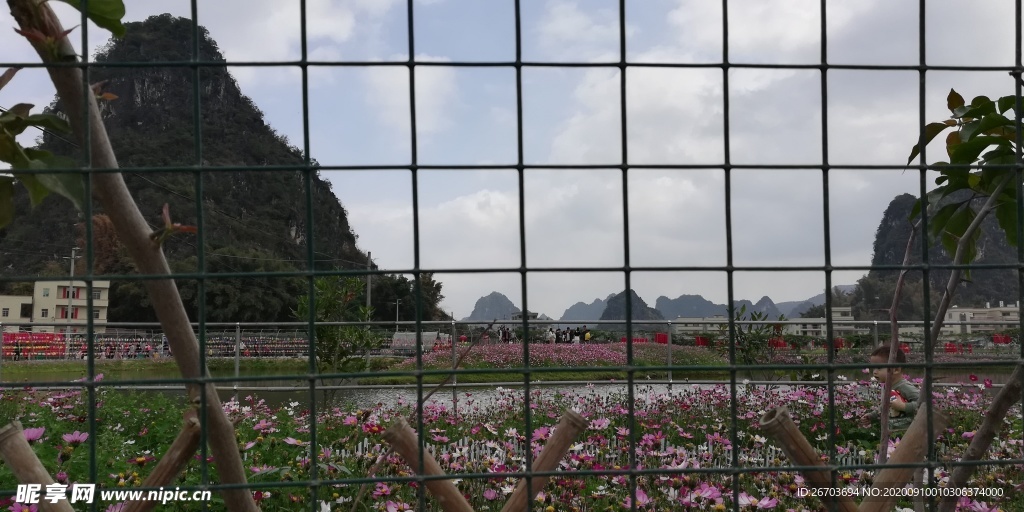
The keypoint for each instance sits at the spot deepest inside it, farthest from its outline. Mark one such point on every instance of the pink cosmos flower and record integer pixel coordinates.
(18, 507)
(263, 426)
(490, 495)
(382, 489)
(75, 438)
(641, 499)
(33, 434)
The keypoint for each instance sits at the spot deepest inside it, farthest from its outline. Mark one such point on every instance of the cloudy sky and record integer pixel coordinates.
(467, 116)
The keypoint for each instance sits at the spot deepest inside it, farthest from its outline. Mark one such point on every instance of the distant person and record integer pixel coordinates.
(905, 396)
(550, 336)
(558, 335)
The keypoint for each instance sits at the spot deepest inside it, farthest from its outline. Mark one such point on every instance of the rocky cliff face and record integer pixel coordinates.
(638, 311)
(251, 188)
(494, 306)
(984, 285)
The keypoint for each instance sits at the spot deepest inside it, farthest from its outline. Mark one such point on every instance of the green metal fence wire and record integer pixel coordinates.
(317, 483)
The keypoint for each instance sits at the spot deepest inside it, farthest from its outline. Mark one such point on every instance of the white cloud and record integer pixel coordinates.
(569, 31)
(674, 117)
(387, 89)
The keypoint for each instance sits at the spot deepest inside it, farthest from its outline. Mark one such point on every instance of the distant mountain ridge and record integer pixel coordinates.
(496, 306)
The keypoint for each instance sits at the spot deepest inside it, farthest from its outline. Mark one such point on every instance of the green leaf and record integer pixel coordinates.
(930, 131)
(980, 126)
(980, 106)
(17, 124)
(1006, 214)
(1006, 103)
(68, 184)
(952, 141)
(50, 122)
(104, 13)
(937, 223)
(954, 100)
(967, 153)
(36, 190)
(1003, 155)
(6, 201)
(954, 232)
(10, 150)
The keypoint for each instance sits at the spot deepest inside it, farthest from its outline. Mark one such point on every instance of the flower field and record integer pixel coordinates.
(567, 359)
(679, 439)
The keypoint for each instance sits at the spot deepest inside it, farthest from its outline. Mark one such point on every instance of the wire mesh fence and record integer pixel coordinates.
(673, 410)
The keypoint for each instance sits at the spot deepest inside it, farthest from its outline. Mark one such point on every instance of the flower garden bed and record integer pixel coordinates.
(560, 362)
(680, 439)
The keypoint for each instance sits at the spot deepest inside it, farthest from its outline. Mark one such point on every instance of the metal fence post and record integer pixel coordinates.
(874, 330)
(238, 346)
(669, 329)
(455, 377)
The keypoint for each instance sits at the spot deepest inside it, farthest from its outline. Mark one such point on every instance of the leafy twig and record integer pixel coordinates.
(1007, 396)
(112, 193)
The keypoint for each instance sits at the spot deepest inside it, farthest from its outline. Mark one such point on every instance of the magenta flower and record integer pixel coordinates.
(18, 507)
(33, 434)
(75, 438)
(490, 495)
(141, 460)
(264, 426)
(116, 507)
(382, 489)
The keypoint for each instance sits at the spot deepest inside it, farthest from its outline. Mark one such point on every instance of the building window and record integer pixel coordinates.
(6, 312)
(95, 314)
(46, 292)
(26, 310)
(96, 295)
(45, 313)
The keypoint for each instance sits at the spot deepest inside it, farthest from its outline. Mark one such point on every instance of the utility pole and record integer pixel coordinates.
(369, 277)
(71, 295)
(397, 303)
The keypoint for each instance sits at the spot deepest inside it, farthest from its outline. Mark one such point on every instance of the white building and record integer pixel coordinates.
(59, 305)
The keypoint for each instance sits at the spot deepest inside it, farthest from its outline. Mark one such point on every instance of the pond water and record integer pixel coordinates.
(289, 389)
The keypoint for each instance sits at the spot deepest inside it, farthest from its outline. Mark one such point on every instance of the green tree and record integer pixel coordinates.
(391, 288)
(814, 312)
(752, 338)
(338, 348)
(983, 154)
